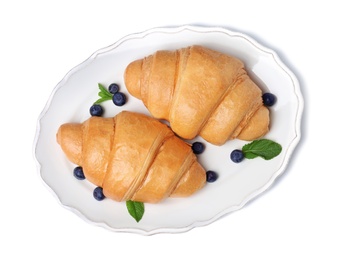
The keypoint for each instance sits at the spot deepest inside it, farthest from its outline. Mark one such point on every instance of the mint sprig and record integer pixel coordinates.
(136, 209)
(264, 148)
(104, 94)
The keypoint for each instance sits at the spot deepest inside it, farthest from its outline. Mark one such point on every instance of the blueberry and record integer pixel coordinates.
(198, 147)
(269, 99)
(98, 194)
(119, 99)
(211, 176)
(237, 156)
(96, 110)
(113, 88)
(78, 173)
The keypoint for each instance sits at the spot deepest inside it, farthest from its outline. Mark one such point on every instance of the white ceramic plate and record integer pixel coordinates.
(237, 183)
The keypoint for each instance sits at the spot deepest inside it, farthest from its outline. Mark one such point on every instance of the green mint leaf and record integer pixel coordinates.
(264, 148)
(104, 94)
(103, 90)
(136, 209)
(100, 100)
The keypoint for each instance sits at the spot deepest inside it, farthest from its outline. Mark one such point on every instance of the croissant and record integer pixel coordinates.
(132, 157)
(200, 92)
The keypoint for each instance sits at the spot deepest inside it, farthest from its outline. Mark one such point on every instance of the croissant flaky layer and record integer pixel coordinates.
(200, 92)
(132, 157)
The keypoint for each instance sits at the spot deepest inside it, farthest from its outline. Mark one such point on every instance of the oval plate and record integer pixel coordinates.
(237, 183)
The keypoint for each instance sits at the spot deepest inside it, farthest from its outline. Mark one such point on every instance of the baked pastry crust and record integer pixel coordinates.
(132, 157)
(200, 92)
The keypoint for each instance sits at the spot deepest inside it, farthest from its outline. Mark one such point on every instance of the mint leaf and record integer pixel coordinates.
(136, 209)
(104, 90)
(104, 94)
(100, 100)
(264, 148)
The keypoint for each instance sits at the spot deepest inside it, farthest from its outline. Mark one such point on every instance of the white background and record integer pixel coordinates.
(298, 218)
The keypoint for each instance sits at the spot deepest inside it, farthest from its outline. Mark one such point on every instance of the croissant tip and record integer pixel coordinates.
(132, 76)
(58, 136)
(69, 137)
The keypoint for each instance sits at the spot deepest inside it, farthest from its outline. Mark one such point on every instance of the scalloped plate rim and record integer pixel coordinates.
(178, 29)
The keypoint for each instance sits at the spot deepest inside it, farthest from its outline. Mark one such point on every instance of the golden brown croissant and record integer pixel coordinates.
(132, 157)
(200, 92)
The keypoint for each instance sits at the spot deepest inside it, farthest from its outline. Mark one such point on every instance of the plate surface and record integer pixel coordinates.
(237, 183)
